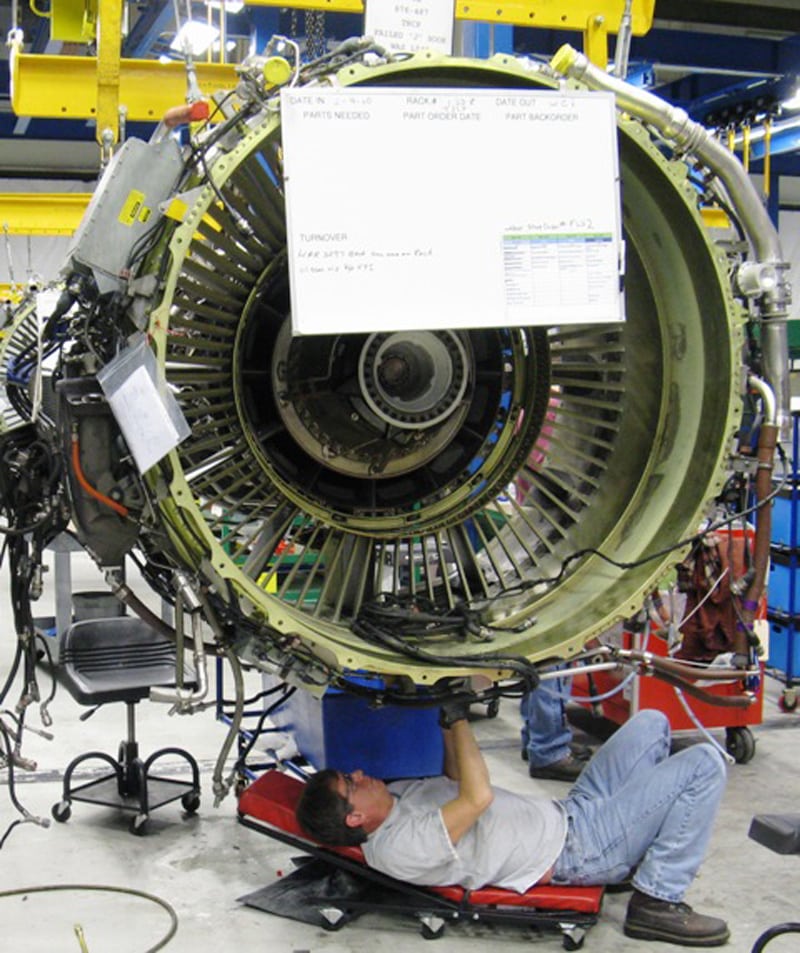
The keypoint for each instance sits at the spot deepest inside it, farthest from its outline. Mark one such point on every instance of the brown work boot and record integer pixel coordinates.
(567, 769)
(652, 919)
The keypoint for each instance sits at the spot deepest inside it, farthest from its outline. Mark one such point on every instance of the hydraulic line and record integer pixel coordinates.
(690, 136)
(87, 486)
(767, 441)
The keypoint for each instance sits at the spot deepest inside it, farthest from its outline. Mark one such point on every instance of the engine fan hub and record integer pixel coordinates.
(415, 379)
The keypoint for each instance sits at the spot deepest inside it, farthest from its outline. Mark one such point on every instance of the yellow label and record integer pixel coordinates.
(132, 207)
(176, 210)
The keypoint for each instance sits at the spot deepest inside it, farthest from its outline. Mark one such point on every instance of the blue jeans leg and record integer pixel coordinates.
(657, 820)
(545, 732)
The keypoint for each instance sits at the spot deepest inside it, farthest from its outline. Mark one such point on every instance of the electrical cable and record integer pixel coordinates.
(12, 672)
(253, 699)
(27, 817)
(88, 488)
(101, 888)
(257, 731)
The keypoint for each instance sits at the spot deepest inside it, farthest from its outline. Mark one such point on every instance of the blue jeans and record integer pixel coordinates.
(634, 806)
(545, 732)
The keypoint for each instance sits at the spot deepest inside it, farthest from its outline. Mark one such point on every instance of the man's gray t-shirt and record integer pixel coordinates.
(512, 844)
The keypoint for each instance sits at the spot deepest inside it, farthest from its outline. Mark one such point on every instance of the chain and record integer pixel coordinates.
(315, 34)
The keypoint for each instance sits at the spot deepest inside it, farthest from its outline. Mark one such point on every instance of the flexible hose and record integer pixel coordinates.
(80, 476)
(45, 888)
(770, 934)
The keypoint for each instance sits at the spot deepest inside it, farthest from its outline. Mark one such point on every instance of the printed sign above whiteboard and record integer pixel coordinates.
(411, 25)
(441, 208)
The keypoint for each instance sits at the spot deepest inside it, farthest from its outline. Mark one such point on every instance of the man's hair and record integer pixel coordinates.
(322, 812)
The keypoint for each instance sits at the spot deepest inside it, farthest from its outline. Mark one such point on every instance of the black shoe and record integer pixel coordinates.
(567, 769)
(652, 919)
(581, 752)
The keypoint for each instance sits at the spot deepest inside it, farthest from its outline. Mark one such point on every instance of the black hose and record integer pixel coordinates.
(770, 934)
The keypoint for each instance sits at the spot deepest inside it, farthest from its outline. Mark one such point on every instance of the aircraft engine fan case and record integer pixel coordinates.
(319, 476)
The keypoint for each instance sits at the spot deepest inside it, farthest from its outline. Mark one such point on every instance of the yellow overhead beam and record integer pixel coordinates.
(65, 87)
(108, 68)
(545, 14)
(73, 21)
(42, 213)
(560, 14)
(333, 6)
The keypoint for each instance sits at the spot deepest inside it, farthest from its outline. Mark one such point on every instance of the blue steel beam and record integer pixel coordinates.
(157, 18)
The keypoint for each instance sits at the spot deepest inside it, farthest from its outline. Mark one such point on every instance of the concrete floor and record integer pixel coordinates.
(200, 865)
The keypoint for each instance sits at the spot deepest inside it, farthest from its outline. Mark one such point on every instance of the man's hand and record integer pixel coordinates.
(453, 710)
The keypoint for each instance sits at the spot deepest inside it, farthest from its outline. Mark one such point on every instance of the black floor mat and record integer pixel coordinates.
(313, 887)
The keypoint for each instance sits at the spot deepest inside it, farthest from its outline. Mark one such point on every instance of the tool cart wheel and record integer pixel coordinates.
(740, 744)
(788, 700)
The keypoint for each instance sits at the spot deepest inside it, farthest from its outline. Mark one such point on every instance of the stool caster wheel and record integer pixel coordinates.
(138, 825)
(190, 802)
(61, 812)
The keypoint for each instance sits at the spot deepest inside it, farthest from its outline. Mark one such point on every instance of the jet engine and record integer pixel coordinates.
(412, 505)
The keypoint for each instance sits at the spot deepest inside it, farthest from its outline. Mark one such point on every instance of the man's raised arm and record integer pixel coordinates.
(463, 762)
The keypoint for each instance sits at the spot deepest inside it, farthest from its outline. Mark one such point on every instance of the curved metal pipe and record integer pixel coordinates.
(690, 136)
(767, 439)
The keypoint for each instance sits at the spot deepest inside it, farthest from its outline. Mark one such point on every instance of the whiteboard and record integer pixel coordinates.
(413, 209)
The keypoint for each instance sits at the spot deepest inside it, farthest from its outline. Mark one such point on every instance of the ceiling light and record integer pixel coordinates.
(194, 38)
(231, 6)
(230, 46)
(793, 102)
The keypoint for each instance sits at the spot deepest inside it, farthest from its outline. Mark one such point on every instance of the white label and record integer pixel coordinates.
(411, 26)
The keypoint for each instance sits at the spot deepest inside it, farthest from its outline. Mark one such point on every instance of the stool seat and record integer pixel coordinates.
(117, 659)
(779, 832)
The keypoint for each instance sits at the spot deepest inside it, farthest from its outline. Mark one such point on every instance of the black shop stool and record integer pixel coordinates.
(781, 833)
(119, 660)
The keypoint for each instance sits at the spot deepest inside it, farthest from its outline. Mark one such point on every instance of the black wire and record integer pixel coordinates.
(371, 625)
(12, 790)
(242, 758)
(687, 541)
(255, 698)
(12, 673)
(51, 668)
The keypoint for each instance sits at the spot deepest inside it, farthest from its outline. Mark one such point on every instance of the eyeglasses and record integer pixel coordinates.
(349, 784)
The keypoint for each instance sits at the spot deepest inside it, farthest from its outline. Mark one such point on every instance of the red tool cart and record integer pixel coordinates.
(619, 695)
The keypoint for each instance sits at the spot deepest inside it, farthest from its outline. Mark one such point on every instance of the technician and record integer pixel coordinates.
(634, 810)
